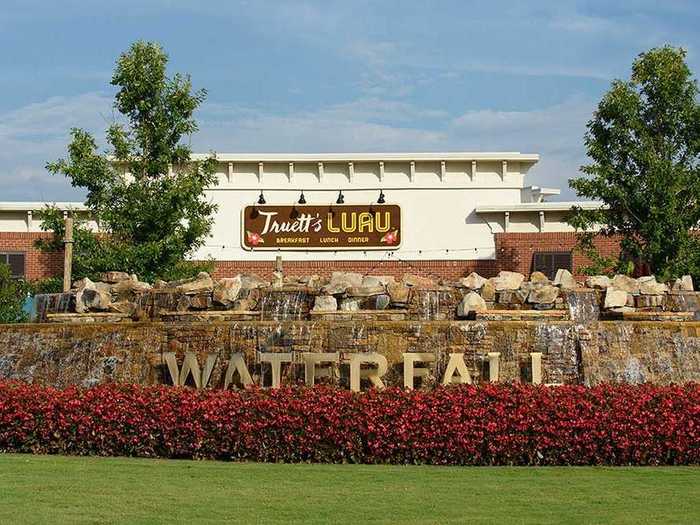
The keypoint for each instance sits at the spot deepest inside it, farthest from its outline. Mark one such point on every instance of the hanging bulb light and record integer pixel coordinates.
(302, 199)
(340, 199)
(261, 199)
(381, 199)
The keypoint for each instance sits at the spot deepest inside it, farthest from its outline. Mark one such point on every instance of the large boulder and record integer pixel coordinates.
(398, 292)
(600, 282)
(325, 303)
(615, 298)
(226, 290)
(114, 277)
(202, 283)
(250, 281)
(543, 294)
(648, 285)
(488, 291)
(625, 283)
(471, 303)
(419, 282)
(350, 304)
(473, 281)
(564, 280)
(341, 281)
(128, 289)
(92, 297)
(539, 278)
(507, 280)
(684, 284)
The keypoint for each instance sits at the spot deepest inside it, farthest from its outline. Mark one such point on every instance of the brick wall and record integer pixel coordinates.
(37, 264)
(514, 251)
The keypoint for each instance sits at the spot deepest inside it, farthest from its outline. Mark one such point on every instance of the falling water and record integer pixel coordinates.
(583, 306)
(282, 305)
(51, 303)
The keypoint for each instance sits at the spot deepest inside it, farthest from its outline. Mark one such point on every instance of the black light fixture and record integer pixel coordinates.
(340, 199)
(302, 199)
(261, 199)
(381, 199)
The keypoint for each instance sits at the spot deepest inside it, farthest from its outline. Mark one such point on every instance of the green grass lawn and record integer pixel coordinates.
(54, 489)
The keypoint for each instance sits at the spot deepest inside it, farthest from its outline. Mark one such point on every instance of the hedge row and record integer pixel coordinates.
(457, 425)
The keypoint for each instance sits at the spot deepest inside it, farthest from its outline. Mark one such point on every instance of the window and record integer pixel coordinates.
(549, 262)
(15, 261)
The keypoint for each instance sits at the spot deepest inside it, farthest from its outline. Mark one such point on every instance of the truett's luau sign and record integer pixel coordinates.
(328, 227)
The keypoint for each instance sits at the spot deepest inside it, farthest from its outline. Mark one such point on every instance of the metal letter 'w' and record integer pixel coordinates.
(190, 365)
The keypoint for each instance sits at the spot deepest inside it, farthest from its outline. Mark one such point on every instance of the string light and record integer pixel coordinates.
(381, 199)
(261, 199)
(302, 199)
(341, 198)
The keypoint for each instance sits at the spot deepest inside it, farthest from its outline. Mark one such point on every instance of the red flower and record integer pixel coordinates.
(254, 238)
(391, 237)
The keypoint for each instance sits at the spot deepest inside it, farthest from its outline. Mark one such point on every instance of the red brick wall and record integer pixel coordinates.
(514, 251)
(37, 264)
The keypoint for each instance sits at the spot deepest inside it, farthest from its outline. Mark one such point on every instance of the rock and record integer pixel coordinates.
(565, 280)
(129, 289)
(382, 301)
(649, 286)
(543, 294)
(123, 307)
(488, 291)
(350, 304)
(507, 280)
(473, 281)
(202, 283)
(341, 281)
(615, 298)
(90, 299)
(684, 284)
(183, 303)
(160, 284)
(365, 291)
(325, 303)
(472, 302)
(539, 278)
(244, 305)
(377, 280)
(418, 282)
(623, 282)
(250, 281)
(515, 297)
(277, 280)
(114, 277)
(600, 282)
(226, 290)
(201, 301)
(398, 292)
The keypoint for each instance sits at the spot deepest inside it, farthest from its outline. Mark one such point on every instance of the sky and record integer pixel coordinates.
(331, 76)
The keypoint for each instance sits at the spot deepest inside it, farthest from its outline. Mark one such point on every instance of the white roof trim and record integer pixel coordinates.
(39, 206)
(371, 157)
(538, 206)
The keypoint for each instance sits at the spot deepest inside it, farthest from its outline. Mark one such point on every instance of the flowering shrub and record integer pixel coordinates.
(457, 425)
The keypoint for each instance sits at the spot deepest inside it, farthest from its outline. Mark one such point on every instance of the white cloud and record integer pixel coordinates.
(34, 134)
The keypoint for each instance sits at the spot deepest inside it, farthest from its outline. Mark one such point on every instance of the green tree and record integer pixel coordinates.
(144, 191)
(13, 292)
(644, 144)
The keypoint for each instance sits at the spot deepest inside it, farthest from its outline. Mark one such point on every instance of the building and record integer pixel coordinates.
(448, 214)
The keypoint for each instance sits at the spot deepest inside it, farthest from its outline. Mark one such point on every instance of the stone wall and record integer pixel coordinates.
(84, 354)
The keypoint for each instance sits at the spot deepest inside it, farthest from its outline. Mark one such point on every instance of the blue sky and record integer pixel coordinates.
(319, 76)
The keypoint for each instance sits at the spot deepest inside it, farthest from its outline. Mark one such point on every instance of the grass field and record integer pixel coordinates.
(53, 489)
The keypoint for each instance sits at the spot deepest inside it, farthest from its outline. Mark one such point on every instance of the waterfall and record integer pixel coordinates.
(583, 306)
(283, 305)
(51, 303)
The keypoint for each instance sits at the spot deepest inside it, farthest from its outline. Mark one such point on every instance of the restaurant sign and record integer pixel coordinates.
(327, 227)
